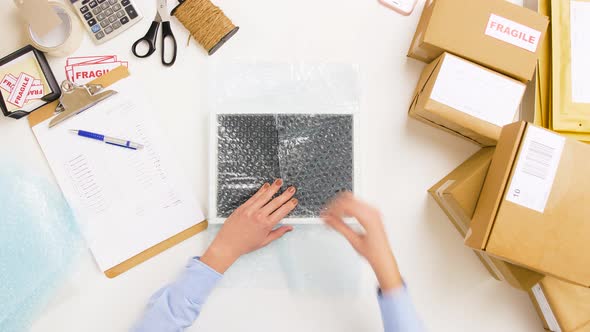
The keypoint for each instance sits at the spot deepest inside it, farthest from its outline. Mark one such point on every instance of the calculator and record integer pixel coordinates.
(105, 19)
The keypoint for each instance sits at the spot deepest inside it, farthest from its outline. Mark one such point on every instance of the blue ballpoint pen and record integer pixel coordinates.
(109, 140)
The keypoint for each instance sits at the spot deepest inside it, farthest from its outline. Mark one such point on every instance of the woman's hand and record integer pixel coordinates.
(250, 227)
(372, 244)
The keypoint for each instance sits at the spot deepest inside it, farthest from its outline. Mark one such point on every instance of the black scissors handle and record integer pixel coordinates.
(167, 34)
(150, 39)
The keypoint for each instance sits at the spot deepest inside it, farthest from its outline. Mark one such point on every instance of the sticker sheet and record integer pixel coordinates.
(83, 69)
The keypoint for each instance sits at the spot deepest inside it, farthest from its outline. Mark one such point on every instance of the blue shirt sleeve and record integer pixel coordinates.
(176, 306)
(397, 311)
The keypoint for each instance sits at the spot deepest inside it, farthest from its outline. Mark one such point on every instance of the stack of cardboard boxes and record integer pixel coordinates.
(520, 203)
(480, 54)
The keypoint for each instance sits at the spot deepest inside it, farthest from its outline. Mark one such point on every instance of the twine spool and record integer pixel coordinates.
(206, 23)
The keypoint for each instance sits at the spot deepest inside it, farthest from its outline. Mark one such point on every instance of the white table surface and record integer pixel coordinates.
(401, 159)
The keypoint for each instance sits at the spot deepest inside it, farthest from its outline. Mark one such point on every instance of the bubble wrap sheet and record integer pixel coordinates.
(289, 121)
(39, 241)
(313, 152)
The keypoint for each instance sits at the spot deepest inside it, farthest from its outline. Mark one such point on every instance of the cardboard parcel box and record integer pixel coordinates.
(494, 33)
(534, 207)
(457, 195)
(466, 99)
(562, 306)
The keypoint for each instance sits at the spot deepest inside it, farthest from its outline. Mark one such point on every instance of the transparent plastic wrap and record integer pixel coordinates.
(294, 122)
(40, 241)
(309, 260)
(316, 156)
(248, 156)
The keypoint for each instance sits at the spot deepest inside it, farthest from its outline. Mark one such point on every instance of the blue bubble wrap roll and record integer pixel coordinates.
(38, 242)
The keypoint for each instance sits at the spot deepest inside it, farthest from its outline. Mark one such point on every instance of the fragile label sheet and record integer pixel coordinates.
(580, 50)
(473, 90)
(536, 168)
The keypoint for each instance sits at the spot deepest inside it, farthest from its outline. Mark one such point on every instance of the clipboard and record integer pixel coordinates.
(48, 111)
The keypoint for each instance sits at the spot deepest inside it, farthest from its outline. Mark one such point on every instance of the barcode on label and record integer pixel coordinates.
(538, 160)
(535, 169)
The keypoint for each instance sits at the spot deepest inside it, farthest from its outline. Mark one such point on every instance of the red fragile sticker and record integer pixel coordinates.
(36, 92)
(8, 82)
(19, 93)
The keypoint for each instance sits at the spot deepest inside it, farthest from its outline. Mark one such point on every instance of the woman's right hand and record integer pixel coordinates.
(372, 244)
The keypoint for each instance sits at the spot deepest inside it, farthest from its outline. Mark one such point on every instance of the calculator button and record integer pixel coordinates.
(96, 10)
(100, 17)
(85, 1)
(116, 25)
(112, 18)
(104, 5)
(95, 28)
(108, 30)
(88, 16)
(100, 1)
(105, 23)
(116, 6)
(120, 14)
(124, 20)
(112, 2)
(99, 35)
(92, 22)
(92, 4)
(108, 12)
(131, 12)
(125, 2)
(84, 9)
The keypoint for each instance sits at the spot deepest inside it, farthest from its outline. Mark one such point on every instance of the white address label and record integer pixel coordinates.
(513, 33)
(536, 167)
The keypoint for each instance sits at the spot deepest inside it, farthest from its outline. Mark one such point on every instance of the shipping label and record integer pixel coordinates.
(537, 164)
(513, 33)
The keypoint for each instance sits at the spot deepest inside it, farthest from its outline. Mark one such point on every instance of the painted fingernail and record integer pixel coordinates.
(278, 182)
(291, 189)
(295, 201)
(266, 185)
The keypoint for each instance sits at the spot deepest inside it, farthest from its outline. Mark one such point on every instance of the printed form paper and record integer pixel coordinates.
(125, 201)
(473, 90)
(580, 51)
(537, 165)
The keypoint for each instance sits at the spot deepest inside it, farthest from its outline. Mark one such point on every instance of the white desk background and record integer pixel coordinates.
(401, 159)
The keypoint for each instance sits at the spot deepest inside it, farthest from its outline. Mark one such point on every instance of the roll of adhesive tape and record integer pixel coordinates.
(61, 41)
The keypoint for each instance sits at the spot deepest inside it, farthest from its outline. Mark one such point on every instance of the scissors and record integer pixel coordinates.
(162, 16)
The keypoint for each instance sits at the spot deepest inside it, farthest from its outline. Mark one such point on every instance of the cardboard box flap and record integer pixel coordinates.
(418, 50)
(570, 303)
(494, 186)
(425, 77)
(462, 194)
